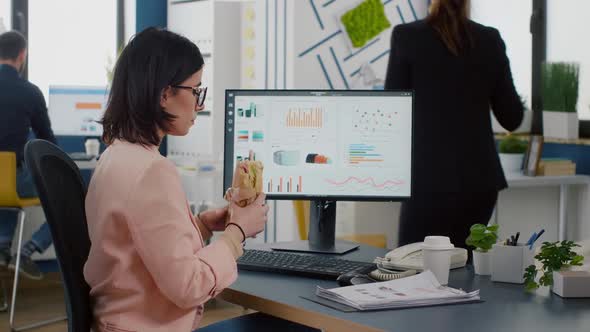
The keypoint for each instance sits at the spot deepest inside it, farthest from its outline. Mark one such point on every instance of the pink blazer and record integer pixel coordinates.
(148, 267)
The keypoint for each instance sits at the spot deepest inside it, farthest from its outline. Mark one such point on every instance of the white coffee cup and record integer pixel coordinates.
(92, 147)
(437, 251)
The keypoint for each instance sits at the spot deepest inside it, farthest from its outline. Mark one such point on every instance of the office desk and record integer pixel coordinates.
(506, 308)
(86, 164)
(517, 180)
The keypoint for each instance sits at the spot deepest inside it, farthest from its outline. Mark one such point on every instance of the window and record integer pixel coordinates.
(71, 42)
(567, 40)
(5, 15)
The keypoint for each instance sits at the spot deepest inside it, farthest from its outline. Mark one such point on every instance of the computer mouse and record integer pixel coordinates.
(353, 278)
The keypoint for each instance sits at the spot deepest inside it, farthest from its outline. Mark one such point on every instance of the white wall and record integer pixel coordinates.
(308, 32)
(568, 25)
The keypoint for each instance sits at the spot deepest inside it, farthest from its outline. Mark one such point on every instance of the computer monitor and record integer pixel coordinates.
(323, 146)
(76, 110)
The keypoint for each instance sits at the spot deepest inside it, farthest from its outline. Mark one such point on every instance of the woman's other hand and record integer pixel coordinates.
(214, 219)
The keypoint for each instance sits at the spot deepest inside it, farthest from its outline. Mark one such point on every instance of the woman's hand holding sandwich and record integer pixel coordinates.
(251, 218)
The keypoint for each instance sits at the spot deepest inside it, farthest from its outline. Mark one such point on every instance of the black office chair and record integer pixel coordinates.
(62, 193)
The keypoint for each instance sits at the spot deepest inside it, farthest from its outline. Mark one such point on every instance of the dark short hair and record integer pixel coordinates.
(11, 44)
(152, 61)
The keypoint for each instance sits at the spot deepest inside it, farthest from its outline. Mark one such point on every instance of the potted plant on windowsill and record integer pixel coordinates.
(555, 257)
(511, 150)
(560, 96)
(482, 237)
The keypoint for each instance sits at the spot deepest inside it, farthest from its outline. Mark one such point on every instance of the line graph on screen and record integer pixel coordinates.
(364, 184)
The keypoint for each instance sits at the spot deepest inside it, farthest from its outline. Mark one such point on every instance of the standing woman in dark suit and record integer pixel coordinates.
(458, 69)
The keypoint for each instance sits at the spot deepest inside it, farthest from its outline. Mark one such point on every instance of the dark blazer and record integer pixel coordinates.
(22, 108)
(454, 147)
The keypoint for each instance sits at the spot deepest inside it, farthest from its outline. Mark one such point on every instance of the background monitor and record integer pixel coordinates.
(323, 146)
(76, 110)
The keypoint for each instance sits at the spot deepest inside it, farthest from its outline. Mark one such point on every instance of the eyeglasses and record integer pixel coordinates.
(199, 92)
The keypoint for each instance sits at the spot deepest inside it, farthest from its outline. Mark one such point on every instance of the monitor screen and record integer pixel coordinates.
(340, 145)
(75, 110)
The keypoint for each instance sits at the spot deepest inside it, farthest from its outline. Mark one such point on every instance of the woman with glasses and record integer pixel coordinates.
(458, 70)
(149, 268)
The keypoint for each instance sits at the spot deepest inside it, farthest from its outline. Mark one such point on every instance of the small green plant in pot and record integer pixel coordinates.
(560, 88)
(512, 145)
(482, 237)
(553, 257)
(512, 151)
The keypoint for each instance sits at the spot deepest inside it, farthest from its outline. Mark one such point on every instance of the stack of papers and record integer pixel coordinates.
(415, 291)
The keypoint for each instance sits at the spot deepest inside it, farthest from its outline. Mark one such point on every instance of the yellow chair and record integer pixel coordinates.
(375, 240)
(10, 201)
(302, 216)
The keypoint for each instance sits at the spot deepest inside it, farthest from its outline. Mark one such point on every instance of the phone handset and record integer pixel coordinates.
(388, 267)
(383, 274)
(409, 257)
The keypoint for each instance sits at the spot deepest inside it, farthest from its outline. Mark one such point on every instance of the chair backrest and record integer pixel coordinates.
(62, 193)
(8, 194)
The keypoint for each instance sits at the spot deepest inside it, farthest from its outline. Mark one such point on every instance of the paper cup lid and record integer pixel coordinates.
(437, 243)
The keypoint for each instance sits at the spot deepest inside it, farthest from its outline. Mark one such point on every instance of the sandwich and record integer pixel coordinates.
(246, 184)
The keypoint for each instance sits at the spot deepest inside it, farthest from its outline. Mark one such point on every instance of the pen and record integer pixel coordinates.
(539, 235)
(531, 239)
(516, 238)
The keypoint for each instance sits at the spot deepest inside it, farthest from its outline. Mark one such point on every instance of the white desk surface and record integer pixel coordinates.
(516, 180)
(86, 164)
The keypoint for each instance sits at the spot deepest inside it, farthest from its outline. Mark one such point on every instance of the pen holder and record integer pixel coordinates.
(510, 262)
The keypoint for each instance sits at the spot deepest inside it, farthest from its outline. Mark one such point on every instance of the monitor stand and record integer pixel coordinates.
(322, 232)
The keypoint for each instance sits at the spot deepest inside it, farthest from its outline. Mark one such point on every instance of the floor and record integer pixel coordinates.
(39, 300)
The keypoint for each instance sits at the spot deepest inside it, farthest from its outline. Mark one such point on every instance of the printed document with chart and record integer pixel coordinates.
(415, 291)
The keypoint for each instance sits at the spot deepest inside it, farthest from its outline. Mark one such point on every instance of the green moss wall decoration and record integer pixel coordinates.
(365, 22)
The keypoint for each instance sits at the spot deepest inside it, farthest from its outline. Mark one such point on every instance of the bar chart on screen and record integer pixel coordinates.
(285, 184)
(304, 117)
(248, 111)
(364, 154)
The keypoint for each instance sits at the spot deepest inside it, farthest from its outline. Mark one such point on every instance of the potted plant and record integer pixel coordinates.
(554, 257)
(560, 97)
(482, 237)
(511, 151)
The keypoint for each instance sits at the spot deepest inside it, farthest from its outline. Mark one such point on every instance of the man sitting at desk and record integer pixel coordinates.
(22, 108)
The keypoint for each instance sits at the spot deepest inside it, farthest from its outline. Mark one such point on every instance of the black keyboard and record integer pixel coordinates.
(314, 266)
